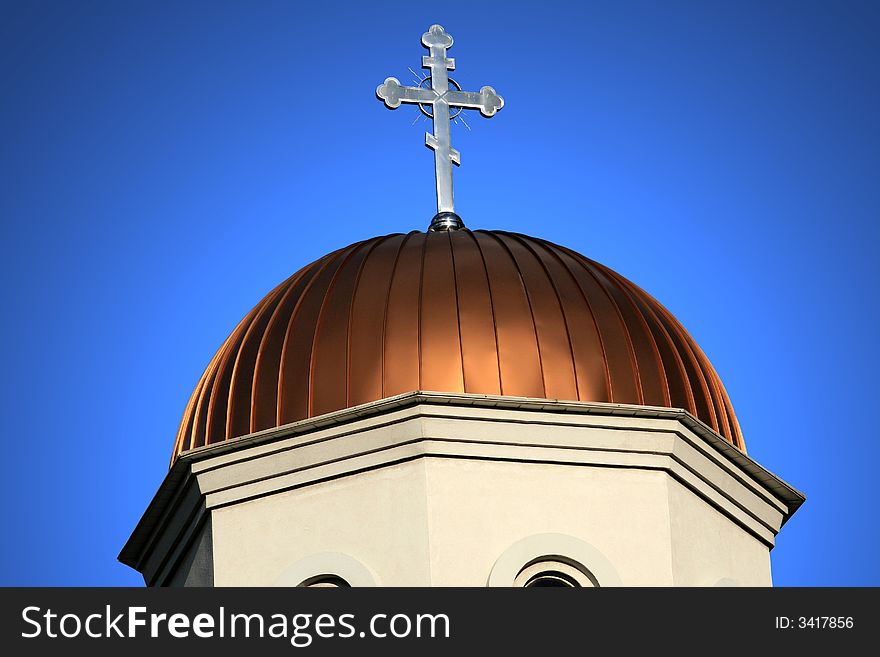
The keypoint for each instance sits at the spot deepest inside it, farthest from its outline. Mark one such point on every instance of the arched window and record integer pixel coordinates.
(551, 572)
(326, 569)
(545, 560)
(325, 581)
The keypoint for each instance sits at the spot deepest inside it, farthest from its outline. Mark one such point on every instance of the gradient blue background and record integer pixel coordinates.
(163, 165)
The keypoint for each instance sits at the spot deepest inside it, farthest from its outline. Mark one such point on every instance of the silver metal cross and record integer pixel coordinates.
(440, 97)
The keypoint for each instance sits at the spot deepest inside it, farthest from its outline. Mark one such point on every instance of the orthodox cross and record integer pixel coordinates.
(439, 97)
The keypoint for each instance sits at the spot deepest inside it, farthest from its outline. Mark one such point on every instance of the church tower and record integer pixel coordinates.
(459, 408)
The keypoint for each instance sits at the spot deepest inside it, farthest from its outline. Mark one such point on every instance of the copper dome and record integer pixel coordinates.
(465, 311)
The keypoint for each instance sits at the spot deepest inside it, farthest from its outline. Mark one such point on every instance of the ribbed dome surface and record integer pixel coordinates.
(464, 311)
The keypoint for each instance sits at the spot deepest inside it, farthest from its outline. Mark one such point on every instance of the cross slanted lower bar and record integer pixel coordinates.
(440, 97)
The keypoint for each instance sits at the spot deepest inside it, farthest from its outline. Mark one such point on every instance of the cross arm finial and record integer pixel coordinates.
(487, 101)
(394, 94)
(437, 37)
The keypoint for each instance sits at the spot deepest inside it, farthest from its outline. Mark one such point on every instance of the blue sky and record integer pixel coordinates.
(163, 165)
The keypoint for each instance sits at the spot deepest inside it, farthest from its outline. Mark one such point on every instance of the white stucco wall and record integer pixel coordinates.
(377, 517)
(709, 548)
(477, 509)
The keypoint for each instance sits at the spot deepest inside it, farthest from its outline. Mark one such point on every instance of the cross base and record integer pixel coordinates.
(444, 221)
